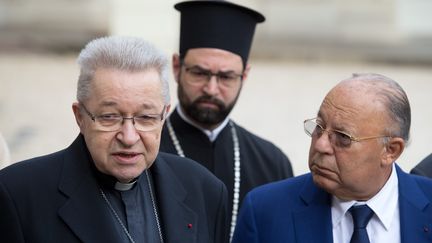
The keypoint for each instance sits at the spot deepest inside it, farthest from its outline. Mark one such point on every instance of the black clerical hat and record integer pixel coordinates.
(217, 24)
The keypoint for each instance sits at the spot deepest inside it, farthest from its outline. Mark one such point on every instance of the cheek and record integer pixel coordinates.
(230, 95)
(191, 92)
(151, 142)
(311, 154)
(99, 146)
(352, 170)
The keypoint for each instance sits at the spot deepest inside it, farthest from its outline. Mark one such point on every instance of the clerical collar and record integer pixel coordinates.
(124, 186)
(104, 180)
(211, 134)
(110, 182)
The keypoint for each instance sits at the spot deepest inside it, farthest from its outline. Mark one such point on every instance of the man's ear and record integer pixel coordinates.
(392, 150)
(176, 66)
(78, 115)
(167, 109)
(246, 72)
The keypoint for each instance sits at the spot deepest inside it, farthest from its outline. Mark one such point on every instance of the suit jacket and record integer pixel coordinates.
(56, 198)
(295, 210)
(424, 168)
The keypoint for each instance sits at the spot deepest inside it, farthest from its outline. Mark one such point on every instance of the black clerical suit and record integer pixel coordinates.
(56, 198)
(261, 161)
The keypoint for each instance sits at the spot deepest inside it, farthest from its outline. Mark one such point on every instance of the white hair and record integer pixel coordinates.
(122, 53)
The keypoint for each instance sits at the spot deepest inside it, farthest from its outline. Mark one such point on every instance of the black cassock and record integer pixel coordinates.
(260, 161)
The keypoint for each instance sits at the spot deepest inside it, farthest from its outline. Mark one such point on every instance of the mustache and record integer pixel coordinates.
(210, 99)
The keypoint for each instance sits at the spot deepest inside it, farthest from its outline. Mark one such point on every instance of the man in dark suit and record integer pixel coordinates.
(424, 168)
(112, 184)
(355, 191)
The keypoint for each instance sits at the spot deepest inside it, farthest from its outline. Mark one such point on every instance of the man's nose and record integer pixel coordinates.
(212, 86)
(128, 134)
(323, 143)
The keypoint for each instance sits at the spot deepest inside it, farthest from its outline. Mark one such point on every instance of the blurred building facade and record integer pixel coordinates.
(55, 25)
(393, 30)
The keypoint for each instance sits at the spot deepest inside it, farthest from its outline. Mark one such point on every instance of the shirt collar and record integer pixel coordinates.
(384, 203)
(211, 134)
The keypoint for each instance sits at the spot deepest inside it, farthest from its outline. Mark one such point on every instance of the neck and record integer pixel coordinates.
(209, 127)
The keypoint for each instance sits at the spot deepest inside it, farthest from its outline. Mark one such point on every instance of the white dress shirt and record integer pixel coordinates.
(384, 225)
(211, 134)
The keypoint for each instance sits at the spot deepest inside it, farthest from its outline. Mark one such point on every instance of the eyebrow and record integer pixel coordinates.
(146, 106)
(338, 127)
(206, 69)
(319, 115)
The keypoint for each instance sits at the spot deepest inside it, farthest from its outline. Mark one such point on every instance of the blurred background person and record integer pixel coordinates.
(424, 168)
(4, 153)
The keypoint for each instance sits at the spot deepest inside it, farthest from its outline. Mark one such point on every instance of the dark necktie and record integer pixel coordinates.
(361, 216)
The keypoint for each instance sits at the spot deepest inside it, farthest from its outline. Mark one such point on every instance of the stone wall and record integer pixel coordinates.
(58, 25)
(383, 30)
(395, 30)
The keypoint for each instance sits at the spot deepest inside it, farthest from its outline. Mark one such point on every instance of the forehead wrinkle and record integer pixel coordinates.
(337, 109)
(108, 103)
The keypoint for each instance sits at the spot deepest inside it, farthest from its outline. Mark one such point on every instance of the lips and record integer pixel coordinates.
(322, 171)
(208, 104)
(126, 157)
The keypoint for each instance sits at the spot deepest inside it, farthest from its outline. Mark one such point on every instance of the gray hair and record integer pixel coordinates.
(123, 53)
(394, 98)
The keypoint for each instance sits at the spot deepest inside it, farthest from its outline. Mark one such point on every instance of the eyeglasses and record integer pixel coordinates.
(338, 138)
(113, 122)
(199, 76)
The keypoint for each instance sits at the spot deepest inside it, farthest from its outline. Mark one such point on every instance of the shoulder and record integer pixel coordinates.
(246, 134)
(187, 169)
(414, 188)
(33, 165)
(425, 183)
(275, 202)
(258, 143)
(181, 163)
(287, 190)
(32, 174)
(424, 168)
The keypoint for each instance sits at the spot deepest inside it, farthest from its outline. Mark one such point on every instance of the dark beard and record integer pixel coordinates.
(205, 116)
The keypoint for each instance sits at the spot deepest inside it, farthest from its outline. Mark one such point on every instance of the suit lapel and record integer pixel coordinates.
(179, 222)
(312, 222)
(415, 210)
(84, 212)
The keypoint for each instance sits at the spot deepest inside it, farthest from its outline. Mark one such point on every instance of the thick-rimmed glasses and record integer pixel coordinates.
(199, 76)
(113, 122)
(337, 138)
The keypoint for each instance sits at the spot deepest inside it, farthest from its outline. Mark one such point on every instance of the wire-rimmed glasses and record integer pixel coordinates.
(199, 76)
(113, 122)
(337, 138)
